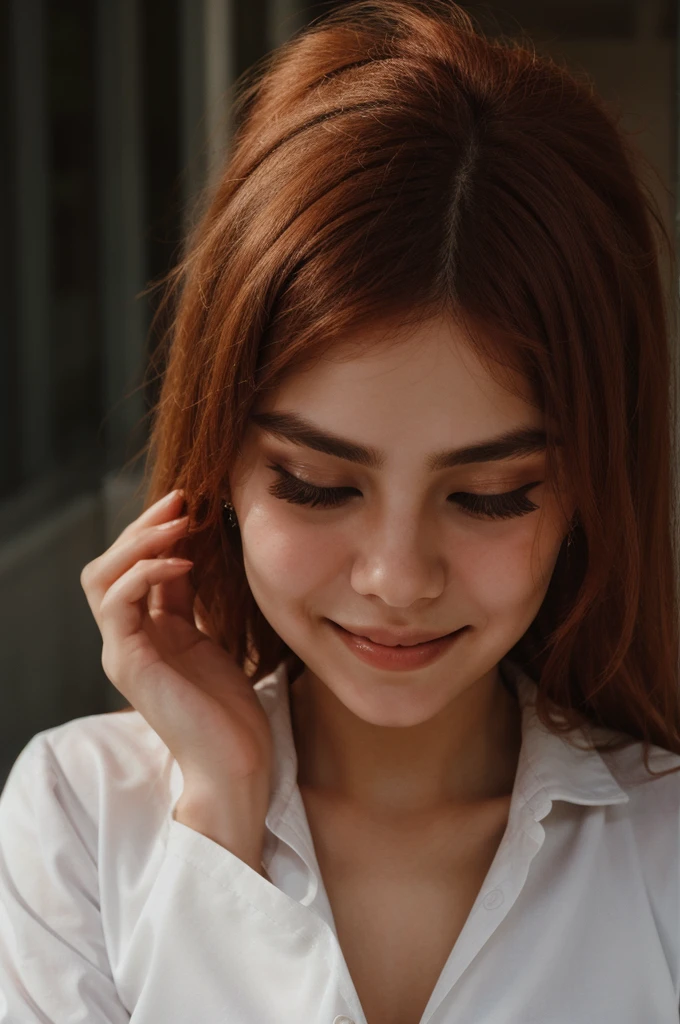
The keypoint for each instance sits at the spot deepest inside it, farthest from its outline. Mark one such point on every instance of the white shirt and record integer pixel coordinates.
(111, 911)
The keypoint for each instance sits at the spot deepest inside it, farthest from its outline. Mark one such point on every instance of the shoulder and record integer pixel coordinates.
(106, 771)
(116, 745)
(647, 793)
(649, 821)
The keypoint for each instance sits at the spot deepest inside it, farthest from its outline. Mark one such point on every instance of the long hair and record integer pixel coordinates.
(389, 163)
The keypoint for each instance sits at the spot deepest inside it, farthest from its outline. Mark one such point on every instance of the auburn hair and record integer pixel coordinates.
(389, 163)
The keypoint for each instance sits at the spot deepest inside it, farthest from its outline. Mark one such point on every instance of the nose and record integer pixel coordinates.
(399, 564)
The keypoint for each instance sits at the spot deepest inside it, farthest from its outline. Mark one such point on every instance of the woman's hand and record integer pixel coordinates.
(188, 688)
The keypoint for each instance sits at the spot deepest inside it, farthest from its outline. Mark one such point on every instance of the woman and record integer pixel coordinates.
(405, 727)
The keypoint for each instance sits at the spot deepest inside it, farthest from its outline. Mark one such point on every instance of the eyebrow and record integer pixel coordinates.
(289, 426)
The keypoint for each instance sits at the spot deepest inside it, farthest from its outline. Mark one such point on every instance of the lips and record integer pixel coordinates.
(391, 638)
(395, 658)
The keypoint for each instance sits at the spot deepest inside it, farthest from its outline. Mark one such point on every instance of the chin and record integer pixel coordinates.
(404, 700)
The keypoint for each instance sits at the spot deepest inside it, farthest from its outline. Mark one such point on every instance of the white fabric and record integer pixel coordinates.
(111, 911)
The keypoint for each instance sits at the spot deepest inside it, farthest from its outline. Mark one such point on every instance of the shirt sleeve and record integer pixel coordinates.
(53, 959)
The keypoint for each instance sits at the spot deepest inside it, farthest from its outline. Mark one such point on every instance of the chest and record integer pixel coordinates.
(400, 894)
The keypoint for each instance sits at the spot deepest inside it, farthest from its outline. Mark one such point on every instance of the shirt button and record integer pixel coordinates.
(343, 1020)
(493, 899)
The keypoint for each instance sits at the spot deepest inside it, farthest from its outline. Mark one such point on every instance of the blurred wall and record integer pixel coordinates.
(113, 117)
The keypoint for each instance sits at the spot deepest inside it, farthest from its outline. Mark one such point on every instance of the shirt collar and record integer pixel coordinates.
(553, 768)
(549, 768)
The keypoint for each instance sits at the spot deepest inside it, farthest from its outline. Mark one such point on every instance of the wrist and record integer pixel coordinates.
(234, 820)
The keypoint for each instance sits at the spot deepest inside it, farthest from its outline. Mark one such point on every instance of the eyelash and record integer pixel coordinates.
(485, 506)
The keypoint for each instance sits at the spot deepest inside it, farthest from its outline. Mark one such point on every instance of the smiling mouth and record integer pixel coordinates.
(420, 643)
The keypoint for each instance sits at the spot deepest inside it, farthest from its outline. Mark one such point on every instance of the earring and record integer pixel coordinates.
(230, 517)
(572, 529)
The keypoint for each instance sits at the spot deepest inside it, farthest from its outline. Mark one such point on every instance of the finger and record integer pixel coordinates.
(99, 576)
(166, 508)
(174, 596)
(124, 605)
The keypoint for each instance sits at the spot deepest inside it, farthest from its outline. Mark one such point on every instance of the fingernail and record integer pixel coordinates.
(171, 497)
(172, 523)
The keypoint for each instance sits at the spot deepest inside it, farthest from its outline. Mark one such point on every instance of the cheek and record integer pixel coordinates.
(509, 572)
(284, 557)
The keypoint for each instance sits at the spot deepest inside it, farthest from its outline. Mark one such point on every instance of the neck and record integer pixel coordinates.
(466, 754)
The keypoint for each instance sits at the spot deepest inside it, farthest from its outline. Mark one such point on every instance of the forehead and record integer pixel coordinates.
(382, 383)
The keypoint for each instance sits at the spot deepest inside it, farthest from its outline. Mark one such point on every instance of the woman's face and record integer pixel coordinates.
(401, 545)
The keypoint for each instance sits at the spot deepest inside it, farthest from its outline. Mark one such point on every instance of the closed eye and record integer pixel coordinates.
(485, 506)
